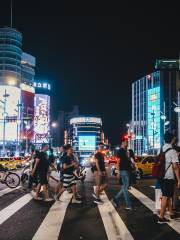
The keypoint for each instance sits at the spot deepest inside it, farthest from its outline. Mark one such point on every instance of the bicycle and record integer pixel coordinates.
(11, 179)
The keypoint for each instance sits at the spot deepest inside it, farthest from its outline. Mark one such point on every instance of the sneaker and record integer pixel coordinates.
(78, 196)
(173, 216)
(114, 203)
(94, 195)
(75, 201)
(98, 201)
(56, 198)
(48, 199)
(163, 220)
(128, 208)
(38, 198)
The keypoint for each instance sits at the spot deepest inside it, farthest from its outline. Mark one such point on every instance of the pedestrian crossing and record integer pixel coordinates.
(53, 223)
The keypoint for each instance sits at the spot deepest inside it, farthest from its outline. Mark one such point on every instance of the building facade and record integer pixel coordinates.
(84, 134)
(63, 123)
(153, 97)
(28, 63)
(16, 91)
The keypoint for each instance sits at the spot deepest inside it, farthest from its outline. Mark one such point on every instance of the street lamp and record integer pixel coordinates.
(27, 128)
(53, 125)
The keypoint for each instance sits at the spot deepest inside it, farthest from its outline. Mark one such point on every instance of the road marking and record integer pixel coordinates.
(175, 224)
(114, 225)
(14, 207)
(51, 225)
(7, 190)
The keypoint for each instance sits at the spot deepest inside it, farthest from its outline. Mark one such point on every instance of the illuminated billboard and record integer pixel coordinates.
(154, 117)
(41, 118)
(87, 143)
(79, 120)
(12, 99)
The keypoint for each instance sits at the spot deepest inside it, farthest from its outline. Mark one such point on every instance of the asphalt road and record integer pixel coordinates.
(22, 218)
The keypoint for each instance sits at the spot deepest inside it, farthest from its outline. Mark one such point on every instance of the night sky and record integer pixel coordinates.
(91, 52)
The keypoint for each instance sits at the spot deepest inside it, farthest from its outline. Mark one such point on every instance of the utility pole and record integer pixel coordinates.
(4, 120)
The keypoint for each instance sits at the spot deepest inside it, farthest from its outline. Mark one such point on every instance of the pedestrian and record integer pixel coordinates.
(63, 153)
(69, 181)
(33, 181)
(176, 199)
(124, 167)
(51, 160)
(41, 167)
(133, 169)
(100, 174)
(168, 181)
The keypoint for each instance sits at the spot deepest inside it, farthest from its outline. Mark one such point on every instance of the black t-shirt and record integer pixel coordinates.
(125, 162)
(43, 165)
(100, 157)
(68, 161)
(51, 159)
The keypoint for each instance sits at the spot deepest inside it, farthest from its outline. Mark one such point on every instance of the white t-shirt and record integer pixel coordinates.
(170, 157)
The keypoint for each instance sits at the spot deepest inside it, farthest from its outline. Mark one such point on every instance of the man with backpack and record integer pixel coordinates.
(171, 169)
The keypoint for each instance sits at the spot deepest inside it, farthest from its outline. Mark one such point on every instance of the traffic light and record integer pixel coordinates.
(125, 137)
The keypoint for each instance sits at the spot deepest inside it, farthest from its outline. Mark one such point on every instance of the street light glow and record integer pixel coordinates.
(11, 81)
(54, 125)
(177, 109)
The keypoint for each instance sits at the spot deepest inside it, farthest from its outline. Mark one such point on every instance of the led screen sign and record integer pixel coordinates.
(154, 117)
(87, 143)
(41, 118)
(12, 100)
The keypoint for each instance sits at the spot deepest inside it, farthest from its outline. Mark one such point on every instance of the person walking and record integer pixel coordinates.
(100, 174)
(63, 153)
(41, 167)
(124, 167)
(69, 181)
(168, 182)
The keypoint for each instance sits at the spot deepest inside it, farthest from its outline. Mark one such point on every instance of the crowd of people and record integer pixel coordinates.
(42, 166)
(168, 184)
(125, 172)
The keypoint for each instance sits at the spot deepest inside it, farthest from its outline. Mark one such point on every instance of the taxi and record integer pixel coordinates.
(8, 163)
(145, 165)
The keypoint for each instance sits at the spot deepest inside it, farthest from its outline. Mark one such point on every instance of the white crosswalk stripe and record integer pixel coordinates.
(7, 212)
(175, 224)
(7, 190)
(114, 225)
(51, 226)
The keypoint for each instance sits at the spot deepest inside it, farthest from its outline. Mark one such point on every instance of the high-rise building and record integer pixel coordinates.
(28, 63)
(153, 99)
(84, 134)
(63, 123)
(10, 79)
(16, 90)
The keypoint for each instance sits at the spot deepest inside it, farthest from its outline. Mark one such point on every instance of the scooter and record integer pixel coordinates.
(80, 173)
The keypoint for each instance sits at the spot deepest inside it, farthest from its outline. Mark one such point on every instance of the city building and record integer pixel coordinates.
(16, 92)
(153, 101)
(42, 113)
(63, 123)
(26, 107)
(10, 93)
(84, 134)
